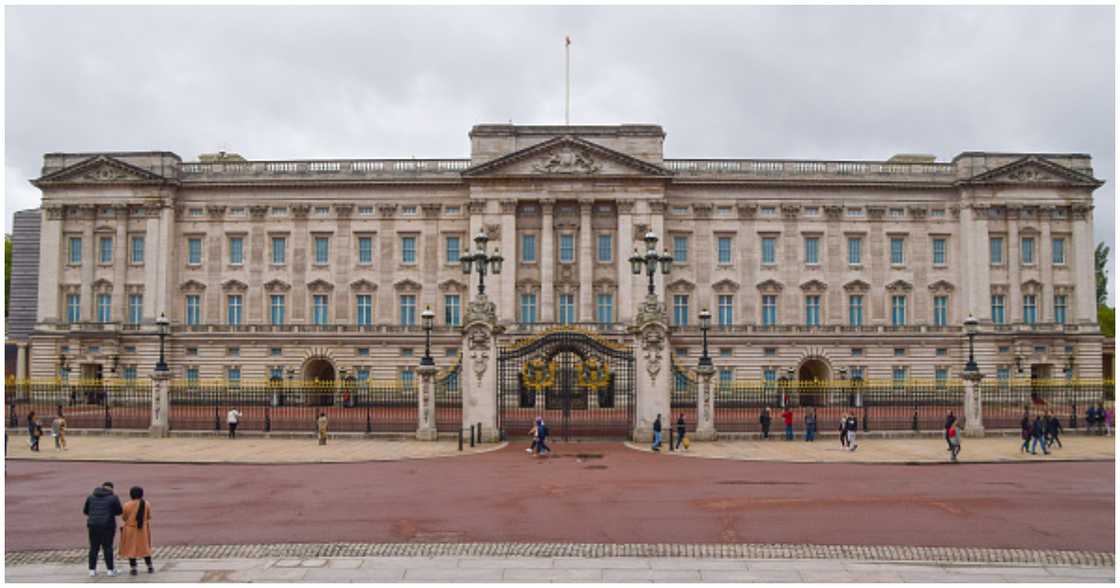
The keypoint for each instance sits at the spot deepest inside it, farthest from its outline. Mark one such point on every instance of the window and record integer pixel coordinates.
(73, 307)
(937, 213)
(406, 352)
(941, 351)
(896, 251)
(453, 249)
(365, 250)
(857, 352)
(605, 248)
(768, 251)
(680, 249)
(857, 374)
(276, 374)
(236, 255)
(322, 210)
(1059, 251)
(939, 251)
(940, 311)
(451, 210)
(769, 310)
(233, 351)
(130, 372)
(723, 210)
(897, 212)
(768, 211)
(319, 313)
(855, 212)
(941, 376)
(680, 310)
(769, 375)
(995, 245)
(1060, 309)
(813, 311)
(854, 250)
(193, 351)
(725, 375)
(408, 309)
(567, 309)
(276, 351)
(528, 308)
(363, 352)
(1003, 373)
(855, 310)
(196, 212)
(997, 309)
(604, 308)
(135, 308)
(769, 351)
(278, 244)
(900, 352)
(276, 309)
(811, 254)
(408, 249)
(451, 309)
(194, 251)
(322, 250)
(725, 352)
(1028, 250)
(812, 211)
(529, 248)
(726, 310)
(364, 306)
(193, 309)
(105, 250)
(723, 250)
(192, 374)
(233, 309)
(898, 374)
(279, 211)
(567, 248)
(137, 250)
(233, 374)
(1030, 313)
(75, 257)
(362, 374)
(898, 310)
(682, 210)
(408, 210)
(104, 304)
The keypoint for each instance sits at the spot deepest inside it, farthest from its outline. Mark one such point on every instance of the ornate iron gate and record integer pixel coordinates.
(580, 383)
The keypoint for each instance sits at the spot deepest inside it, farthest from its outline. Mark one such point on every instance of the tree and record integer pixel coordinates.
(1100, 259)
(7, 272)
(1106, 317)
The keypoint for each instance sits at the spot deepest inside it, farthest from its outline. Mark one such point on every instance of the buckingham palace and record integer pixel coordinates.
(323, 267)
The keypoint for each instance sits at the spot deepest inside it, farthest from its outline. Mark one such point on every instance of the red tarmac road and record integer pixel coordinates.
(624, 496)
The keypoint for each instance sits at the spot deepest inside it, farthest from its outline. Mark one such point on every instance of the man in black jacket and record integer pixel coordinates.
(1053, 430)
(102, 509)
(764, 420)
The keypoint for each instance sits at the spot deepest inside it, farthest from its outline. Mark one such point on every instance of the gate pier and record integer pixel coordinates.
(480, 367)
(654, 371)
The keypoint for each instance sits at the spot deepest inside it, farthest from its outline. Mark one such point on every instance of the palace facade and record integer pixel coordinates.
(316, 266)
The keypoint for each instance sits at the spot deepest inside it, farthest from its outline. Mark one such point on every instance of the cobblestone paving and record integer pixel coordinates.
(598, 550)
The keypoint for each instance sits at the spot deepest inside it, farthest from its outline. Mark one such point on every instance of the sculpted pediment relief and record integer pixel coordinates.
(902, 285)
(277, 285)
(407, 285)
(771, 285)
(1033, 169)
(320, 286)
(452, 285)
(726, 285)
(941, 285)
(857, 286)
(192, 286)
(362, 285)
(814, 285)
(101, 169)
(680, 285)
(566, 156)
(234, 286)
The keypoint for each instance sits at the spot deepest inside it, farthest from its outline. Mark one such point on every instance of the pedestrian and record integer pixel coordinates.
(1025, 432)
(101, 510)
(321, 422)
(954, 441)
(533, 432)
(1091, 418)
(58, 431)
(1100, 419)
(657, 433)
(233, 418)
(764, 420)
(949, 420)
(787, 418)
(136, 530)
(811, 425)
(844, 431)
(34, 430)
(1053, 430)
(542, 436)
(850, 427)
(1038, 436)
(1109, 423)
(680, 431)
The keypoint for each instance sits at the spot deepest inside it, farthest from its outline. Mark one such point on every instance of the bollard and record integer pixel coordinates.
(217, 423)
(460, 438)
(480, 433)
(472, 435)
(267, 420)
(914, 421)
(369, 423)
(670, 438)
(865, 425)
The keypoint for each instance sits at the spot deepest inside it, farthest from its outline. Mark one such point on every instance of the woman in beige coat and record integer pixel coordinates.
(136, 530)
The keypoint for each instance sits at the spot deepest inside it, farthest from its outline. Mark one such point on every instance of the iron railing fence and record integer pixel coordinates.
(86, 404)
(448, 401)
(1006, 403)
(683, 398)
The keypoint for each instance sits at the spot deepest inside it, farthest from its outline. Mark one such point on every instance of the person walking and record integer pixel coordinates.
(542, 437)
(1053, 430)
(233, 418)
(657, 433)
(321, 423)
(1038, 436)
(58, 431)
(787, 418)
(1100, 419)
(34, 430)
(949, 420)
(101, 509)
(954, 435)
(811, 425)
(680, 431)
(844, 431)
(136, 530)
(764, 420)
(534, 432)
(1109, 423)
(1025, 432)
(850, 427)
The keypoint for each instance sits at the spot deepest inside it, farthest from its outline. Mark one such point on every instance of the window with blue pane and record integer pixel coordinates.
(567, 248)
(364, 306)
(997, 309)
(279, 249)
(362, 374)
(75, 256)
(105, 246)
(137, 250)
(365, 250)
(1028, 250)
(236, 253)
(680, 382)
(73, 307)
(995, 246)
(604, 308)
(320, 309)
(857, 373)
(454, 249)
(770, 375)
(940, 311)
(813, 311)
(408, 249)
(605, 248)
(192, 374)
(1003, 373)
(130, 372)
(898, 310)
(451, 313)
(854, 250)
(1030, 311)
(768, 250)
(680, 249)
(528, 308)
(898, 374)
(726, 310)
(406, 379)
(529, 248)
(769, 310)
(193, 309)
(276, 373)
(1060, 309)
(322, 250)
(234, 375)
(408, 309)
(812, 253)
(939, 252)
(276, 309)
(941, 375)
(680, 310)
(567, 309)
(194, 251)
(1058, 254)
(723, 250)
(855, 310)
(233, 309)
(135, 308)
(897, 251)
(725, 375)
(104, 304)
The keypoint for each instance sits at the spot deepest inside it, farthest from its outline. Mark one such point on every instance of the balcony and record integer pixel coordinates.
(847, 171)
(314, 329)
(346, 170)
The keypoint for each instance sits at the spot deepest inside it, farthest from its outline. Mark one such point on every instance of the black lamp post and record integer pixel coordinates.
(479, 261)
(162, 323)
(705, 324)
(970, 326)
(428, 318)
(1069, 366)
(651, 260)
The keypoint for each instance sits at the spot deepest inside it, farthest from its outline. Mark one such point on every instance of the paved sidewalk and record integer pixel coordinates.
(567, 569)
(879, 450)
(215, 449)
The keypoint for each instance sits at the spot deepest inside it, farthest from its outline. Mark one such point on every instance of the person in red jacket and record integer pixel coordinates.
(787, 416)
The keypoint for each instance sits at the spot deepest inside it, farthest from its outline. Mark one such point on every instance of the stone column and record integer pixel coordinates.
(973, 409)
(89, 264)
(1081, 257)
(625, 249)
(161, 404)
(156, 256)
(426, 416)
(166, 264)
(53, 251)
(654, 373)
(506, 295)
(120, 265)
(586, 311)
(1046, 269)
(975, 267)
(705, 409)
(480, 367)
(21, 362)
(547, 263)
(1013, 305)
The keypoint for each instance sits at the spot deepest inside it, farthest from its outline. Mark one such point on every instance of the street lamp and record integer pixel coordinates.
(651, 260)
(970, 326)
(705, 324)
(428, 318)
(63, 371)
(1069, 366)
(162, 324)
(479, 261)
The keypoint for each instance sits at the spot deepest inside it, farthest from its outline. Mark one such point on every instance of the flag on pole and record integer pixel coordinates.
(567, 40)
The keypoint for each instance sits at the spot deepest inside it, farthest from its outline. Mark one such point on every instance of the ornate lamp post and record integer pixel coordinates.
(970, 326)
(973, 404)
(651, 260)
(1069, 366)
(479, 261)
(428, 318)
(705, 324)
(162, 323)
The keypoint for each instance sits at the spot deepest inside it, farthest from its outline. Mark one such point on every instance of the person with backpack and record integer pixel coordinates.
(101, 509)
(1025, 432)
(850, 428)
(1053, 430)
(811, 424)
(657, 433)
(680, 431)
(787, 418)
(1038, 436)
(949, 420)
(764, 420)
(954, 441)
(542, 436)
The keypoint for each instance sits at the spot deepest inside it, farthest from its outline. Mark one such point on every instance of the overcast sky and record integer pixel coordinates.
(795, 82)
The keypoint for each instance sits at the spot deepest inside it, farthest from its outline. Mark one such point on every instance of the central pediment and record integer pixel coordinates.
(566, 156)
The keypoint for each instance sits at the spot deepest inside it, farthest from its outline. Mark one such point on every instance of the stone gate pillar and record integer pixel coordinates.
(480, 367)
(973, 409)
(426, 419)
(706, 404)
(161, 404)
(653, 373)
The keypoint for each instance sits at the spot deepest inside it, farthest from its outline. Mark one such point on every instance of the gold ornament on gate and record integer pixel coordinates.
(537, 375)
(594, 374)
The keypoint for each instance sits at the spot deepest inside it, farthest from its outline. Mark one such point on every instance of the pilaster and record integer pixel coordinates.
(547, 262)
(426, 419)
(161, 383)
(653, 372)
(480, 367)
(586, 311)
(1085, 291)
(973, 405)
(507, 295)
(52, 250)
(626, 302)
(705, 409)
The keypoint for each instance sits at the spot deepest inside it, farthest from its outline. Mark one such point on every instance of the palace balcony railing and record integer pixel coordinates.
(801, 169)
(312, 170)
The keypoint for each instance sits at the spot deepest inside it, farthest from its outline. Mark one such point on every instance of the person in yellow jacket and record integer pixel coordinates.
(322, 422)
(136, 530)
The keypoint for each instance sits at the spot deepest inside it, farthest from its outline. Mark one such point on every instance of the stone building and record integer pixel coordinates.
(320, 266)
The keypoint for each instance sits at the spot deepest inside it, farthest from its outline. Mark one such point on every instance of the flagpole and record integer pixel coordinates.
(567, 80)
